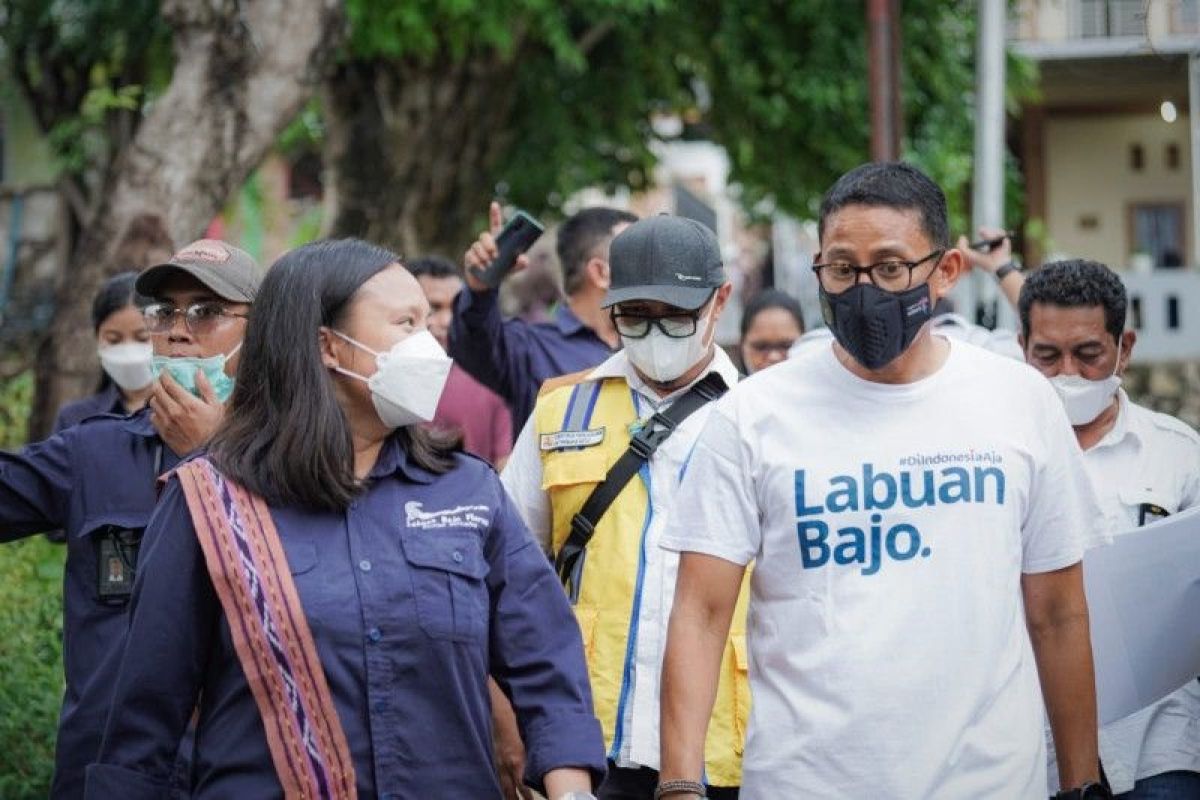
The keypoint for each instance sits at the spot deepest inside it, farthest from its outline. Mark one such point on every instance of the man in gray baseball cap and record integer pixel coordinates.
(642, 408)
(667, 290)
(202, 298)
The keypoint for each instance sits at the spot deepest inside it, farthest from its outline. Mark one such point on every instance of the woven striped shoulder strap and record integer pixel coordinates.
(250, 573)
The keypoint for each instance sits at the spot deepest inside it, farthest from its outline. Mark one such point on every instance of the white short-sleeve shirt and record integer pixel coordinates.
(890, 525)
(1146, 466)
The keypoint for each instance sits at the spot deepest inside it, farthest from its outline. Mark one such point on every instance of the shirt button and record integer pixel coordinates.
(458, 557)
(374, 635)
(364, 565)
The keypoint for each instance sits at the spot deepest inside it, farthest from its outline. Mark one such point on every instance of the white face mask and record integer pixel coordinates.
(128, 364)
(663, 358)
(408, 382)
(1084, 399)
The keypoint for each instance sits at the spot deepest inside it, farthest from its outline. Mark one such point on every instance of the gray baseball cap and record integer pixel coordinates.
(231, 273)
(673, 260)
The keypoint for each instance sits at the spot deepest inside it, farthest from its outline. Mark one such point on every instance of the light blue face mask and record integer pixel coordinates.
(183, 369)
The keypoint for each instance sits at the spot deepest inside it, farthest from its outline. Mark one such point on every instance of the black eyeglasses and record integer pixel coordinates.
(199, 318)
(894, 275)
(638, 326)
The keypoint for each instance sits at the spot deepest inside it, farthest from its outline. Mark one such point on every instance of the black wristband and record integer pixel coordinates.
(1005, 270)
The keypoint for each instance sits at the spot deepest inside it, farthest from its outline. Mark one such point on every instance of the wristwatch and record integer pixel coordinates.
(1089, 791)
(1005, 270)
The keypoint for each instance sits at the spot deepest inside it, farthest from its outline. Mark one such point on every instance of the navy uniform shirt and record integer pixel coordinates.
(413, 594)
(106, 401)
(513, 357)
(97, 474)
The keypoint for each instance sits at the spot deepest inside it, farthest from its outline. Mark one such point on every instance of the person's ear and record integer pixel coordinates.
(721, 298)
(598, 272)
(330, 346)
(1125, 353)
(947, 272)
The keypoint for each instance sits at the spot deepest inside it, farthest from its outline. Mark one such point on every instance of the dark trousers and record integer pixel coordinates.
(639, 784)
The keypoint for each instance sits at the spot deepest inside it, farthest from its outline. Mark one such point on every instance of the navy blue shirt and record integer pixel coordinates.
(106, 401)
(97, 474)
(423, 586)
(513, 357)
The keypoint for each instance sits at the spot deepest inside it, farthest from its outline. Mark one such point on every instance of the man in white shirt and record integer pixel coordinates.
(668, 288)
(916, 510)
(1142, 464)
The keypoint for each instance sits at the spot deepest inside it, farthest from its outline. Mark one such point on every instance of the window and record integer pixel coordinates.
(1172, 158)
(1157, 229)
(1185, 16)
(1096, 18)
(1137, 157)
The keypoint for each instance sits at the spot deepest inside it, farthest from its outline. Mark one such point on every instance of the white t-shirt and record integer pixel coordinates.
(890, 525)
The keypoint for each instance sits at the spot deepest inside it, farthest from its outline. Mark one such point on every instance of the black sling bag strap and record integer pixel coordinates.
(641, 447)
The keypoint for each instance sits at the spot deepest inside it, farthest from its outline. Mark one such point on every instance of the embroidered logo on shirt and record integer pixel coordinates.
(564, 440)
(415, 516)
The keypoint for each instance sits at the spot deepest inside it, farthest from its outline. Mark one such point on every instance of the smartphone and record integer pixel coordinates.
(518, 236)
(988, 245)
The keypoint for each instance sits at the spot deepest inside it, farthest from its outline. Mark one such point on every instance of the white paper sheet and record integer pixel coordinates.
(1143, 593)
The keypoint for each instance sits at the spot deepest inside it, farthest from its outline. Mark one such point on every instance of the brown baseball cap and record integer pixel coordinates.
(231, 273)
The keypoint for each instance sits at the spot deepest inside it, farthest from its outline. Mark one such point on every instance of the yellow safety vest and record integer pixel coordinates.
(568, 418)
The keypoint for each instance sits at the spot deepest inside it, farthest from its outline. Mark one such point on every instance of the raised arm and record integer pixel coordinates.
(36, 486)
(494, 351)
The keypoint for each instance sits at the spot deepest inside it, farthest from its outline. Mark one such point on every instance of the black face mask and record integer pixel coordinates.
(873, 325)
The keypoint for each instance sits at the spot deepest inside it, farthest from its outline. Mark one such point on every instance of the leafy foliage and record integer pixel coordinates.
(31, 681)
(780, 84)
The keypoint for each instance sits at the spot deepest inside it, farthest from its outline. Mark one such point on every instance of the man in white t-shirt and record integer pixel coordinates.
(916, 509)
(1143, 466)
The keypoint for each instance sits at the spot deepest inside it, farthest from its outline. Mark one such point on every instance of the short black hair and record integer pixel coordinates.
(116, 293)
(580, 235)
(285, 437)
(433, 267)
(1076, 283)
(891, 184)
(771, 298)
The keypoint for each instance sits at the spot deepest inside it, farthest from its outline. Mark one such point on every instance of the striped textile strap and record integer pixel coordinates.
(250, 573)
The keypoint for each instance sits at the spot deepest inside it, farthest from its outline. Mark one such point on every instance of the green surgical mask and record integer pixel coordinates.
(183, 370)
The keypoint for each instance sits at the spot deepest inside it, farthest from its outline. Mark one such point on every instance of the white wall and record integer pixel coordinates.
(1088, 173)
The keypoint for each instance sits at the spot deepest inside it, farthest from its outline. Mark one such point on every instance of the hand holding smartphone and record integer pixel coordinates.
(517, 236)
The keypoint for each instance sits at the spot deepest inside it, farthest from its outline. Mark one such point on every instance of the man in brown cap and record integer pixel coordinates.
(97, 480)
(202, 298)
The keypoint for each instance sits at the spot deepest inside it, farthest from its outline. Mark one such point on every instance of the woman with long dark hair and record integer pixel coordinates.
(123, 345)
(333, 584)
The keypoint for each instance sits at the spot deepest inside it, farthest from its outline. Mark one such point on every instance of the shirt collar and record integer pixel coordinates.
(1126, 424)
(393, 458)
(138, 423)
(567, 322)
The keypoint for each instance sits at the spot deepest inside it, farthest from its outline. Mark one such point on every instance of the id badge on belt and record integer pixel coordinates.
(116, 563)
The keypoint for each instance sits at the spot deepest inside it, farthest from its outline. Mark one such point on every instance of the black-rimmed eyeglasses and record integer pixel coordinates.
(893, 275)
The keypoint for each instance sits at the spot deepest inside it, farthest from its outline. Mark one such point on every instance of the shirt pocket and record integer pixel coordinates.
(448, 570)
(573, 467)
(112, 542)
(1144, 505)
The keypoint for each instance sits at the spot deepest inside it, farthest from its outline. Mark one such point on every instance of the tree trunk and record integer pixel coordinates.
(242, 71)
(410, 149)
